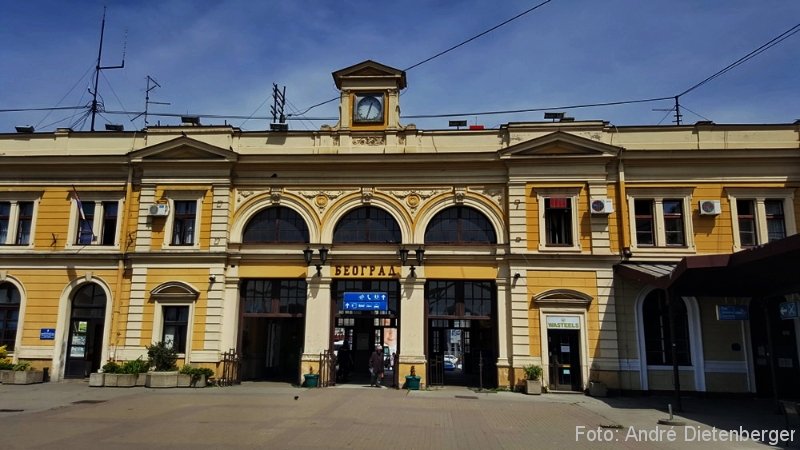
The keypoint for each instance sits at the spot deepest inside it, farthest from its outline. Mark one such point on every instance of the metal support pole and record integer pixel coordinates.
(771, 355)
(676, 380)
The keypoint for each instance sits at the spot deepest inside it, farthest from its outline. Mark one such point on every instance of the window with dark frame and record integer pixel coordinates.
(176, 323)
(645, 222)
(273, 297)
(746, 216)
(5, 221)
(655, 319)
(367, 225)
(776, 221)
(460, 225)
(108, 229)
(674, 234)
(9, 314)
(558, 221)
(276, 225)
(183, 222)
(460, 299)
(85, 224)
(24, 223)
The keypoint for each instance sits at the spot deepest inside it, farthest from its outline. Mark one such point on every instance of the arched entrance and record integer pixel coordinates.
(85, 337)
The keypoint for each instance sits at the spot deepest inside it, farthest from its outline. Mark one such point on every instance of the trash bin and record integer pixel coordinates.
(311, 379)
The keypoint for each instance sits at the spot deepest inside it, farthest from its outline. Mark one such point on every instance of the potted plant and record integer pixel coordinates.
(412, 380)
(116, 376)
(597, 388)
(533, 376)
(200, 376)
(138, 368)
(161, 357)
(311, 378)
(6, 366)
(185, 375)
(25, 374)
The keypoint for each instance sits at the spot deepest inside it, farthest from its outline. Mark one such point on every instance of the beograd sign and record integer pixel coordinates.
(370, 271)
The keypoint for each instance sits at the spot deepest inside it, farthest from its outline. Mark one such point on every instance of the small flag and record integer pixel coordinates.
(84, 222)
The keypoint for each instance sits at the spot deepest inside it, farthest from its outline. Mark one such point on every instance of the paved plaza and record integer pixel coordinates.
(272, 415)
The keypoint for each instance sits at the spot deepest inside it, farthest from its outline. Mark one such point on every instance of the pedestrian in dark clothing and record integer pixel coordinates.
(376, 366)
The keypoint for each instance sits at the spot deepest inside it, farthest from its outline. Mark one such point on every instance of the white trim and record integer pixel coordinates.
(158, 324)
(444, 201)
(22, 308)
(726, 367)
(658, 196)
(172, 196)
(583, 336)
(14, 198)
(695, 342)
(573, 194)
(354, 201)
(247, 211)
(759, 195)
(97, 220)
(64, 317)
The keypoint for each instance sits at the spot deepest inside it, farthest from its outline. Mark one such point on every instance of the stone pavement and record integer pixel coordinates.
(67, 415)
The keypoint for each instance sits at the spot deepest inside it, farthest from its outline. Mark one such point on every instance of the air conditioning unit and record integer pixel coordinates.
(710, 207)
(159, 210)
(601, 206)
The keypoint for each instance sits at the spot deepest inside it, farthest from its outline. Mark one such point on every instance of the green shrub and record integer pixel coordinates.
(19, 367)
(112, 367)
(533, 372)
(5, 364)
(196, 372)
(135, 366)
(162, 357)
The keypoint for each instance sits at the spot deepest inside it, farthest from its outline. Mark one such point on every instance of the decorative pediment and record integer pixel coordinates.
(559, 143)
(183, 149)
(565, 298)
(174, 291)
(369, 69)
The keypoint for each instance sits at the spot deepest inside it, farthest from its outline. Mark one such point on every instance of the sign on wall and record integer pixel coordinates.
(732, 312)
(789, 310)
(366, 301)
(47, 334)
(563, 323)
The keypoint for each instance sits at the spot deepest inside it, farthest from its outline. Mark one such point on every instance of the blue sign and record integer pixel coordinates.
(366, 301)
(789, 310)
(47, 334)
(732, 312)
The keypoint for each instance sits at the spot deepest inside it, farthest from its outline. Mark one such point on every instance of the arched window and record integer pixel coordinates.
(276, 225)
(9, 314)
(655, 316)
(460, 225)
(367, 225)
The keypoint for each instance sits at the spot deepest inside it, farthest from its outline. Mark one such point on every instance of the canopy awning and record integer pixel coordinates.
(763, 271)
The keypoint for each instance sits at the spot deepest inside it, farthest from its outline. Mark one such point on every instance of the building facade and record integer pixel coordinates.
(467, 253)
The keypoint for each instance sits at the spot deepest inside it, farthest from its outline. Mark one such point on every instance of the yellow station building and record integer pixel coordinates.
(481, 250)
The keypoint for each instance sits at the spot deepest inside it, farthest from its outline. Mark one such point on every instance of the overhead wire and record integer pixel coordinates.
(65, 96)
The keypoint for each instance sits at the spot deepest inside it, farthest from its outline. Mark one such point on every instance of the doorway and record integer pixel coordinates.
(271, 328)
(85, 336)
(563, 349)
(784, 349)
(356, 332)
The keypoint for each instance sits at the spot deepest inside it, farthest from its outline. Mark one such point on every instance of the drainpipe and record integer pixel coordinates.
(622, 223)
(115, 318)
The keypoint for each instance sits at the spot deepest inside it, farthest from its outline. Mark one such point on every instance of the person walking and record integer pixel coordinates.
(376, 366)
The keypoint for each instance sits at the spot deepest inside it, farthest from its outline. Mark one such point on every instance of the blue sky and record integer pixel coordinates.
(221, 57)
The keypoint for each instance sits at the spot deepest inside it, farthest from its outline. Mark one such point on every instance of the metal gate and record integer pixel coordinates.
(436, 370)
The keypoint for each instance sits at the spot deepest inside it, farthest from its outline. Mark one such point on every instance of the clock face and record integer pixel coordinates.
(369, 108)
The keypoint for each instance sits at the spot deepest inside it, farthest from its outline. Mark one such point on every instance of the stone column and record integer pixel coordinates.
(412, 324)
(318, 318)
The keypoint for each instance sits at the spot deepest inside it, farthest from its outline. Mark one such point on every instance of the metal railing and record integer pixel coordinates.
(436, 371)
(231, 365)
(327, 369)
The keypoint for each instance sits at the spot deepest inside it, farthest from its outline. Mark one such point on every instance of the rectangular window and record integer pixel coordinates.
(184, 222)
(16, 220)
(776, 222)
(645, 222)
(274, 297)
(473, 299)
(673, 222)
(558, 221)
(98, 225)
(176, 322)
(746, 216)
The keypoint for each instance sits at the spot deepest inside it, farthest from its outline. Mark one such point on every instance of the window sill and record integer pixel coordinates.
(557, 249)
(660, 368)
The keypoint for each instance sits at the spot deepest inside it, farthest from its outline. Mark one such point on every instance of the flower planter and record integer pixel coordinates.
(598, 389)
(412, 382)
(200, 382)
(312, 379)
(141, 379)
(533, 387)
(27, 376)
(120, 380)
(6, 376)
(162, 379)
(97, 379)
(184, 380)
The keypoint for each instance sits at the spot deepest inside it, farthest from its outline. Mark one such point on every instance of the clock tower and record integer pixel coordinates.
(370, 96)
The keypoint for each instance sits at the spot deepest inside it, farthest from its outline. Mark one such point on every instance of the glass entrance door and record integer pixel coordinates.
(565, 360)
(85, 337)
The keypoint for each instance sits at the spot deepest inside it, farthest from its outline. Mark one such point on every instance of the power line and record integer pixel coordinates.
(55, 108)
(479, 35)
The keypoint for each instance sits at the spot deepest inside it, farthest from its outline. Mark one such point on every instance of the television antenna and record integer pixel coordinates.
(98, 67)
(151, 84)
(676, 108)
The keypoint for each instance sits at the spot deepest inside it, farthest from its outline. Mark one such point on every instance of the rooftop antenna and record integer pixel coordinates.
(676, 108)
(151, 84)
(98, 67)
(278, 102)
